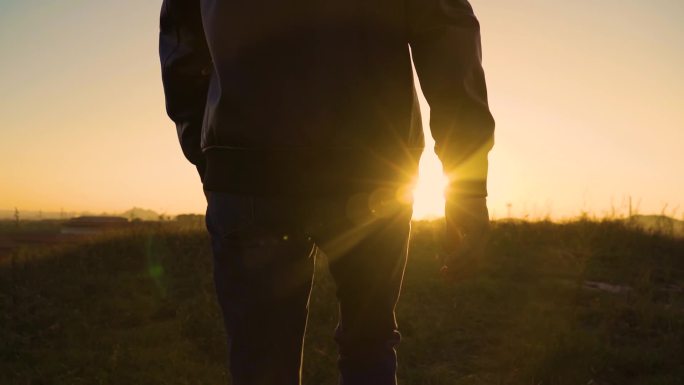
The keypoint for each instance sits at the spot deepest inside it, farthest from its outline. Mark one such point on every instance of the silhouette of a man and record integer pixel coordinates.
(303, 122)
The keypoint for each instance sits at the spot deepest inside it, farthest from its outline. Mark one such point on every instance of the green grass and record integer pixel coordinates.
(138, 308)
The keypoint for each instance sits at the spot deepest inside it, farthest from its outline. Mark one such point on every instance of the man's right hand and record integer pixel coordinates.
(467, 228)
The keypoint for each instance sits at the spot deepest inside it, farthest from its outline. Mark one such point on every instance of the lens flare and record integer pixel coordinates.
(429, 191)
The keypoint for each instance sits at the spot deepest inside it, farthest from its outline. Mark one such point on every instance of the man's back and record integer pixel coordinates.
(320, 91)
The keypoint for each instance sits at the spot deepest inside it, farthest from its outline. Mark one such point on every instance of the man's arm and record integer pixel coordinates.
(185, 67)
(445, 44)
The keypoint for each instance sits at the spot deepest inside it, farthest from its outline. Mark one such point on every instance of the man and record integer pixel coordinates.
(303, 122)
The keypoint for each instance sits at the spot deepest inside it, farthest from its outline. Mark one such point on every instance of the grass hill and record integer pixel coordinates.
(574, 303)
(658, 223)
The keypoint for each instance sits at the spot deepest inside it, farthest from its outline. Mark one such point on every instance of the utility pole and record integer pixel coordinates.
(16, 216)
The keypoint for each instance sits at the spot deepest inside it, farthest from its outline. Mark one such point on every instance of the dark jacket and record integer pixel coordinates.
(318, 96)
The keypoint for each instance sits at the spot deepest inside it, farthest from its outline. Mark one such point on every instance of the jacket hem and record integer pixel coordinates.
(308, 172)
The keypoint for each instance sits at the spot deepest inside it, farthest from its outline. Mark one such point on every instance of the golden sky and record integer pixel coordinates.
(588, 98)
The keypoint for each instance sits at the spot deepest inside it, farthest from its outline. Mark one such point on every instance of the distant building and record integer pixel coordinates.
(190, 218)
(93, 224)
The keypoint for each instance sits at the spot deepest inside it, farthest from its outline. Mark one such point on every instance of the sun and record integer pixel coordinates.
(428, 193)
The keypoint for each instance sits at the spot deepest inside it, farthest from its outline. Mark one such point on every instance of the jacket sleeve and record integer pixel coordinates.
(185, 68)
(444, 36)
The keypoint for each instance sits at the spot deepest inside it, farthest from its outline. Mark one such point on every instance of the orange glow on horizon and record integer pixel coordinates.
(588, 112)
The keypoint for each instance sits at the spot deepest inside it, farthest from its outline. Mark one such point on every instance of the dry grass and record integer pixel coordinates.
(138, 308)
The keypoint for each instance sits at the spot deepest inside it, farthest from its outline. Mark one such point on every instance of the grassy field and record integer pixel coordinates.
(584, 302)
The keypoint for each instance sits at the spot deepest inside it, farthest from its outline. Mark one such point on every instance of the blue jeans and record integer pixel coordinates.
(264, 250)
